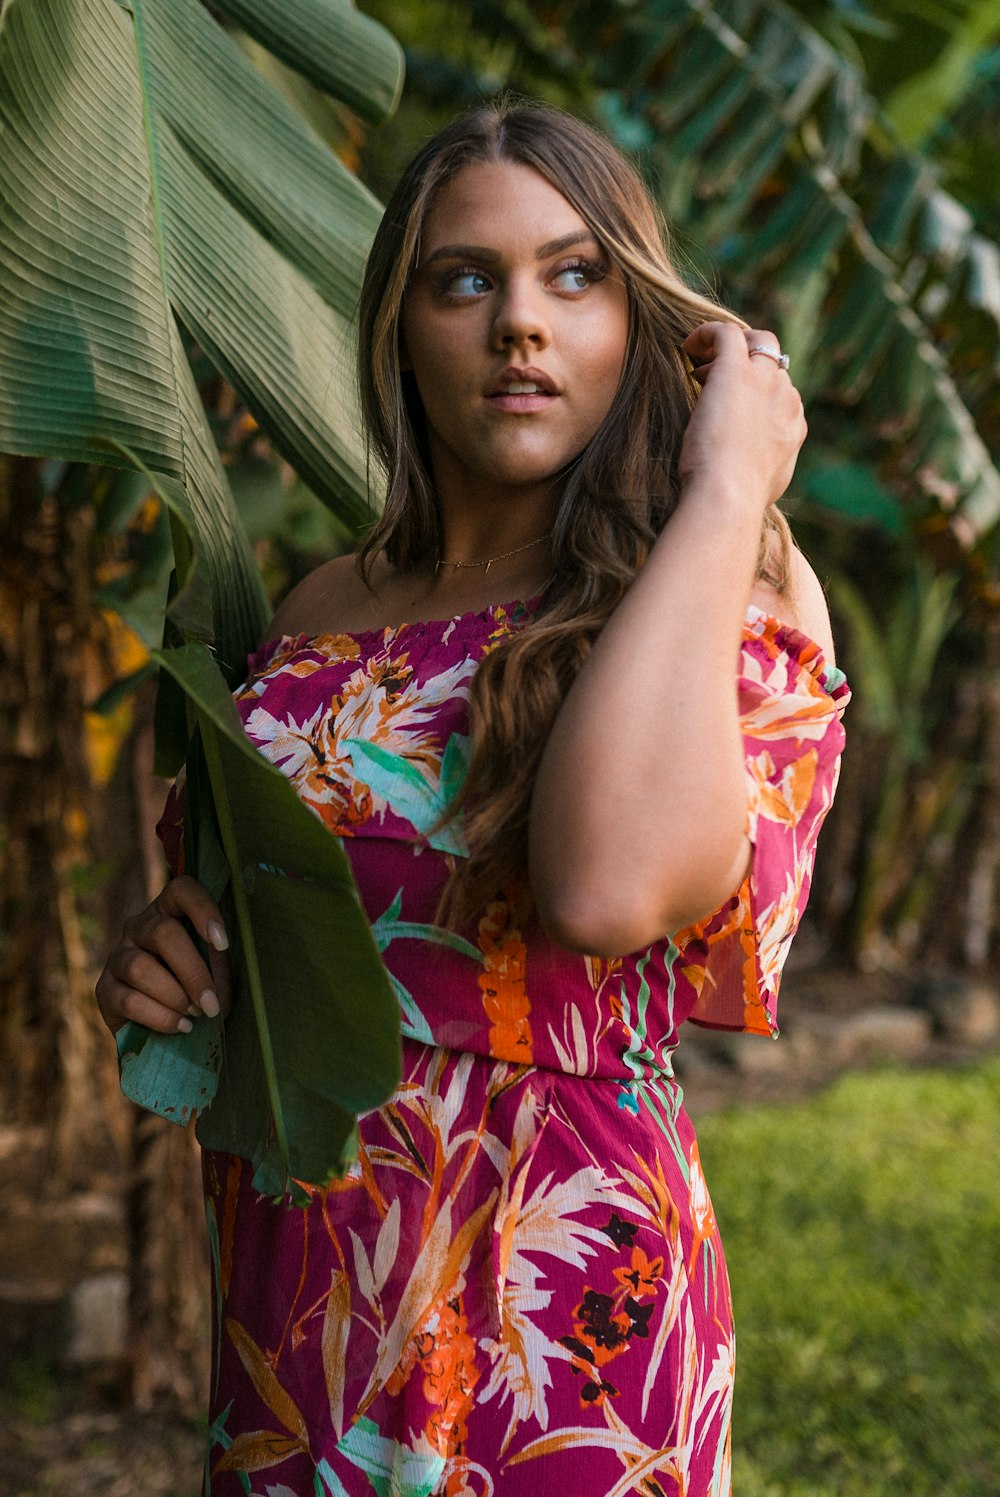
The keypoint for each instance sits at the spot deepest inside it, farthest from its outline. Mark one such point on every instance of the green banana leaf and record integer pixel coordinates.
(150, 178)
(313, 1038)
(926, 96)
(151, 181)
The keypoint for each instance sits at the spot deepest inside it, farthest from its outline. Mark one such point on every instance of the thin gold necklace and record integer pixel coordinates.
(491, 559)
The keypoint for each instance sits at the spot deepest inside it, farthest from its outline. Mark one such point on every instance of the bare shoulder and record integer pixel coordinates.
(802, 604)
(331, 598)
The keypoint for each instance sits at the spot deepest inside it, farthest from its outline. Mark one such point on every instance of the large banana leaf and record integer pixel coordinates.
(150, 180)
(148, 170)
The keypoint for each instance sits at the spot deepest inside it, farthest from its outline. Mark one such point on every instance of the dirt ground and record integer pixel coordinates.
(98, 1452)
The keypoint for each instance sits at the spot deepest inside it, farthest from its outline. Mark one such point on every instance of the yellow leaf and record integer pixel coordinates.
(336, 1327)
(580, 1437)
(267, 1385)
(257, 1451)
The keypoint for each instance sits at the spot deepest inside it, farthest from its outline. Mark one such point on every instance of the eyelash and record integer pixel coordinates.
(590, 268)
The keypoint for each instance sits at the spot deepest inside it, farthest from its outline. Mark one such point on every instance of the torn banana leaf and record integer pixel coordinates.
(313, 1037)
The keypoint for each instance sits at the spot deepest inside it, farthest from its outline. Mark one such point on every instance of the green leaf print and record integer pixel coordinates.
(454, 766)
(393, 1469)
(326, 1482)
(388, 928)
(410, 794)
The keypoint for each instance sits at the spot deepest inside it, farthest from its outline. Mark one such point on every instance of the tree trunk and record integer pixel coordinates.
(76, 856)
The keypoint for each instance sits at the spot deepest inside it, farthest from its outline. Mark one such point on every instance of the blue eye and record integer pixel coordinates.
(468, 283)
(578, 277)
(574, 279)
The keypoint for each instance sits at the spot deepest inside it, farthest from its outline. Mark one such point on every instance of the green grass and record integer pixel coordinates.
(30, 1389)
(862, 1231)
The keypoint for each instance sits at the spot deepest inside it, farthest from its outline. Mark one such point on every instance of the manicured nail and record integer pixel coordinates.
(184, 1025)
(217, 936)
(209, 1003)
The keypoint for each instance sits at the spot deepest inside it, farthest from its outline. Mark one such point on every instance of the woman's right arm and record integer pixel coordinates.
(155, 975)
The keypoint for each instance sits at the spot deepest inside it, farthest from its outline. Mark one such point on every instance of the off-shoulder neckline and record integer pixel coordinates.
(757, 621)
(457, 621)
(807, 651)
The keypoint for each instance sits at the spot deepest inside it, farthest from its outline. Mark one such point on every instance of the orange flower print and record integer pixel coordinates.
(603, 1328)
(502, 983)
(447, 1354)
(642, 1275)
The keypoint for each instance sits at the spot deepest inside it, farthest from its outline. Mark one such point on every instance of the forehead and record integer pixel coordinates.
(498, 203)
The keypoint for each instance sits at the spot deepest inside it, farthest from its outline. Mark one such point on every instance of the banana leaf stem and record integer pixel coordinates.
(249, 947)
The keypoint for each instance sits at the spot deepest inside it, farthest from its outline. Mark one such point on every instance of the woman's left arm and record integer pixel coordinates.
(639, 816)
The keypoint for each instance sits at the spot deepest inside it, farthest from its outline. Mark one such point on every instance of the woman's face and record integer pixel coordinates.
(514, 326)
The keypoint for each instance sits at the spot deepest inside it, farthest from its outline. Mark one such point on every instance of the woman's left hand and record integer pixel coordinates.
(747, 426)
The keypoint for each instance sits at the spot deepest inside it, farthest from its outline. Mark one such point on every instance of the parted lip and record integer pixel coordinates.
(527, 376)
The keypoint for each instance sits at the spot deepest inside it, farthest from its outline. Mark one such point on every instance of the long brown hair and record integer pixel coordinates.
(618, 493)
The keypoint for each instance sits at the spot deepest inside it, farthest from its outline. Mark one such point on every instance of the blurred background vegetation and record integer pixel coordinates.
(829, 169)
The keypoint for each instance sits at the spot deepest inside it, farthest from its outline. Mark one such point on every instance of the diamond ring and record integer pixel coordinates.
(781, 359)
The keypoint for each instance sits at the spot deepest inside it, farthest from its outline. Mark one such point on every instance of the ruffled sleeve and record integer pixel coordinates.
(791, 705)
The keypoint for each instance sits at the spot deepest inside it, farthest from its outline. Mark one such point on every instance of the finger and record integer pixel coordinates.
(185, 897)
(758, 338)
(146, 973)
(171, 944)
(710, 340)
(120, 1004)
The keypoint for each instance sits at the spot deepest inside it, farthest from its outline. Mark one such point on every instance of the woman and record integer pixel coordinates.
(520, 1285)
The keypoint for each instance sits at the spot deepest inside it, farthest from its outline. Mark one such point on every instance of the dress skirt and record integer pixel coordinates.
(519, 1288)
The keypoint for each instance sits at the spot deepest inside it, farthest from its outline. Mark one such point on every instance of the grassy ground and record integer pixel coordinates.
(862, 1230)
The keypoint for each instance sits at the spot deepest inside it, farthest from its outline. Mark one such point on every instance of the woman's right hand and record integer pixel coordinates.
(747, 425)
(156, 976)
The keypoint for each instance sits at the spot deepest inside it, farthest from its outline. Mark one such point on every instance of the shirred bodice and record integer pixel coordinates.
(372, 730)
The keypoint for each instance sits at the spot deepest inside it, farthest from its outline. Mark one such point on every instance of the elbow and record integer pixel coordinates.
(614, 917)
(613, 927)
(592, 930)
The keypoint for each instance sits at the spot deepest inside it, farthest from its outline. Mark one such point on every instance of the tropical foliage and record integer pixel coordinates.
(192, 244)
(203, 201)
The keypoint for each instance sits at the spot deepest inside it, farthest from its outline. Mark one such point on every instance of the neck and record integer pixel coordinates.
(484, 534)
(486, 562)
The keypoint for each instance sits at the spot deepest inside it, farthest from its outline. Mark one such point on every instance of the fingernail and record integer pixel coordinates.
(192, 1012)
(184, 1025)
(217, 936)
(209, 1003)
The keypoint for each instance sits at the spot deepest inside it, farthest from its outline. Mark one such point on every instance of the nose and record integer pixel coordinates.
(520, 320)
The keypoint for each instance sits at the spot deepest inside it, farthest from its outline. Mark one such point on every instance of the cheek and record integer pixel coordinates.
(436, 371)
(603, 376)
(605, 349)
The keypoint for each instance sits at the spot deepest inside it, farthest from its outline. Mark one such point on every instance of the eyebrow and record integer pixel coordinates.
(482, 252)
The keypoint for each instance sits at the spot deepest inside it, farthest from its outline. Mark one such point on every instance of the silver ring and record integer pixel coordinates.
(781, 359)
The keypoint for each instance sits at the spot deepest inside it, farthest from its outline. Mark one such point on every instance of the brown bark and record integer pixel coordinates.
(76, 857)
(50, 1034)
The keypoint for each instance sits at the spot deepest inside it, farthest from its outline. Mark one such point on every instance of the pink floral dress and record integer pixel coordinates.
(519, 1287)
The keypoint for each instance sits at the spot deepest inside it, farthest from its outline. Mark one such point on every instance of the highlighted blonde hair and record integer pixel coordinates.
(618, 493)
